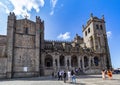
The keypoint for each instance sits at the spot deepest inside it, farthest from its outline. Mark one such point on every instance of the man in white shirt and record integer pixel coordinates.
(69, 76)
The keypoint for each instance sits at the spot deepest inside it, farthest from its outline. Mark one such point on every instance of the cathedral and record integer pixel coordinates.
(24, 52)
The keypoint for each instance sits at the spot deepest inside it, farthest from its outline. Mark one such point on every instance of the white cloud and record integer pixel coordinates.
(64, 36)
(52, 12)
(53, 4)
(24, 7)
(109, 34)
(5, 7)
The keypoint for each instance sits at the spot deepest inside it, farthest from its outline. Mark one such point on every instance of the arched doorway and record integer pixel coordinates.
(85, 61)
(48, 61)
(96, 61)
(74, 61)
(62, 60)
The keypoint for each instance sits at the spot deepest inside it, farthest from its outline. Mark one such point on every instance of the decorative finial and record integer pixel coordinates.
(76, 34)
(103, 17)
(83, 26)
(91, 15)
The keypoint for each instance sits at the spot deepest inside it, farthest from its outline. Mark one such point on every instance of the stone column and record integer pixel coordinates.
(37, 46)
(70, 62)
(90, 62)
(104, 57)
(78, 61)
(83, 63)
(54, 66)
(43, 60)
(66, 67)
(58, 62)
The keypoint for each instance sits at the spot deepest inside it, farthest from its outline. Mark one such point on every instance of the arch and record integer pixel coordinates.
(86, 61)
(62, 60)
(74, 61)
(48, 61)
(56, 62)
(68, 63)
(96, 61)
(81, 63)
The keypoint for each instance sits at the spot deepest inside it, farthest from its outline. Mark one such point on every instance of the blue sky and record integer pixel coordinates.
(64, 18)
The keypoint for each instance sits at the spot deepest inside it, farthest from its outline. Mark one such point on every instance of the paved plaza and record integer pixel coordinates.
(81, 80)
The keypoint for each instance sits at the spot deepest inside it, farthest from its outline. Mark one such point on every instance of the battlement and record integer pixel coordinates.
(93, 19)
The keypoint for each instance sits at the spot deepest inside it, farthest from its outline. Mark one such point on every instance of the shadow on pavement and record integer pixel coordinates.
(89, 76)
(76, 83)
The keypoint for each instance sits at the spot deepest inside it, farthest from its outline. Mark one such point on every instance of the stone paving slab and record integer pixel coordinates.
(81, 80)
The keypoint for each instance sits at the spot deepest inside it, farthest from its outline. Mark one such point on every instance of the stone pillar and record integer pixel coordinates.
(54, 66)
(78, 61)
(70, 62)
(37, 45)
(90, 62)
(43, 60)
(83, 63)
(58, 62)
(66, 67)
(105, 64)
(10, 44)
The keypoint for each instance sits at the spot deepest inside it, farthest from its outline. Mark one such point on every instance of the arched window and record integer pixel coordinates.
(96, 61)
(85, 61)
(56, 62)
(74, 61)
(67, 62)
(97, 26)
(26, 30)
(81, 63)
(101, 27)
(62, 60)
(48, 61)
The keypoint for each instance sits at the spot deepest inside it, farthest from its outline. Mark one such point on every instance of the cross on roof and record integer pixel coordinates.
(26, 16)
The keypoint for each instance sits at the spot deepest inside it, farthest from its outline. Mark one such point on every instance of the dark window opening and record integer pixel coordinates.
(26, 30)
(85, 61)
(48, 64)
(85, 33)
(56, 62)
(48, 61)
(74, 61)
(101, 27)
(67, 62)
(88, 30)
(96, 61)
(97, 26)
(62, 62)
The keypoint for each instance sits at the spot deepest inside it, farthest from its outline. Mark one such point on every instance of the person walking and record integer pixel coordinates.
(73, 76)
(109, 73)
(69, 76)
(64, 76)
(103, 74)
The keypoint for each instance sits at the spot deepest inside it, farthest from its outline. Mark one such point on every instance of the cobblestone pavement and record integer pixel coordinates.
(81, 80)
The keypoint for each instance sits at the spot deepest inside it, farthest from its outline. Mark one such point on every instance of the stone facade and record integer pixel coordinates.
(25, 53)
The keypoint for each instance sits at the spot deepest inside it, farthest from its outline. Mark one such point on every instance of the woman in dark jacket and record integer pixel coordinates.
(64, 76)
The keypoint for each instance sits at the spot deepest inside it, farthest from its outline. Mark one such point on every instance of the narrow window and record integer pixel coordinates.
(85, 33)
(88, 30)
(97, 27)
(101, 27)
(26, 30)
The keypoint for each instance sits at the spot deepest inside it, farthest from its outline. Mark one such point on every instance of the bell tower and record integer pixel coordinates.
(95, 38)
